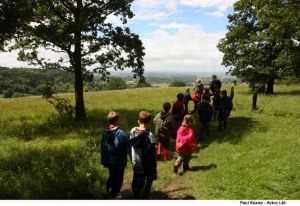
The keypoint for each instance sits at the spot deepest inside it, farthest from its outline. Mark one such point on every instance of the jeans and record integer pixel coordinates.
(183, 158)
(141, 183)
(115, 180)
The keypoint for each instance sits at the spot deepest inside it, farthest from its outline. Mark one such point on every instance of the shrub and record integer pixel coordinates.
(8, 93)
(18, 94)
(62, 106)
(143, 84)
(177, 83)
(116, 83)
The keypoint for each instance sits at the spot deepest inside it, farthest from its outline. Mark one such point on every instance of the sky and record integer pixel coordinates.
(178, 35)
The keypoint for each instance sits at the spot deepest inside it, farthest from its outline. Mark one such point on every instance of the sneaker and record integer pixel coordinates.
(175, 169)
(118, 196)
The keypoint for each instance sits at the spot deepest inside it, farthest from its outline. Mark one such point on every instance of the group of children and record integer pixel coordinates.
(170, 124)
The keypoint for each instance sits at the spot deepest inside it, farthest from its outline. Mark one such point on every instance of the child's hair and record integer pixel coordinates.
(113, 117)
(180, 97)
(144, 117)
(188, 120)
(198, 81)
(224, 93)
(214, 76)
(167, 106)
(206, 89)
(206, 98)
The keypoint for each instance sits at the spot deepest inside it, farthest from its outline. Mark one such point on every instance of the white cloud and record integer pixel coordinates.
(155, 10)
(188, 48)
(158, 10)
(219, 6)
(9, 59)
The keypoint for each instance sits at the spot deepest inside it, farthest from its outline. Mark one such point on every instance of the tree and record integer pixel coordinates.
(251, 48)
(13, 14)
(177, 83)
(79, 29)
(116, 83)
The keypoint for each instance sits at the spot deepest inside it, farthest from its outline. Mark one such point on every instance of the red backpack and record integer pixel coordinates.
(196, 97)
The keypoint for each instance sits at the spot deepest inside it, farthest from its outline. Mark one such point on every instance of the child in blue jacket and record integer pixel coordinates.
(114, 147)
(205, 111)
(225, 109)
(143, 156)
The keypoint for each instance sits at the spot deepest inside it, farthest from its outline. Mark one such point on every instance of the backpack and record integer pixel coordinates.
(163, 132)
(196, 97)
(148, 155)
(108, 147)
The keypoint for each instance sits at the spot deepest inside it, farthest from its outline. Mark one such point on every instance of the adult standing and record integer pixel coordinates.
(187, 98)
(215, 84)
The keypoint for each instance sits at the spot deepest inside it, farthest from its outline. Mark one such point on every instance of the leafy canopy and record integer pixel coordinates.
(58, 25)
(260, 42)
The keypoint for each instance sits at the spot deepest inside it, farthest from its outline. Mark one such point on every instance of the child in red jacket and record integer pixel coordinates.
(185, 143)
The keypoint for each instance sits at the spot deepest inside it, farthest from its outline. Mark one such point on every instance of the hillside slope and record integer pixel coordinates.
(257, 157)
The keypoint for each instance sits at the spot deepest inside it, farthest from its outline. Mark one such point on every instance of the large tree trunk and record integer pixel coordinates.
(270, 86)
(80, 109)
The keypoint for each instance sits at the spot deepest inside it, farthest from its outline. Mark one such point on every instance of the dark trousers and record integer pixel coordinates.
(205, 131)
(223, 116)
(141, 183)
(115, 180)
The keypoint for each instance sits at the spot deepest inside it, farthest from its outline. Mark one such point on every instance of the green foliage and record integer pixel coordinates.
(256, 48)
(63, 106)
(177, 83)
(59, 170)
(8, 93)
(116, 83)
(33, 81)
(143, 84)
(13, 15)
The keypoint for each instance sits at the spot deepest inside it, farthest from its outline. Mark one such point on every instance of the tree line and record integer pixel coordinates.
(18, 82)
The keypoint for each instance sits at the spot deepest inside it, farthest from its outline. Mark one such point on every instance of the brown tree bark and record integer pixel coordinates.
(80, 109)
(270, 86)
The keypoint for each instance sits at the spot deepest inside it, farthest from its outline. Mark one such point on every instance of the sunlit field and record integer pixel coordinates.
(257, 157)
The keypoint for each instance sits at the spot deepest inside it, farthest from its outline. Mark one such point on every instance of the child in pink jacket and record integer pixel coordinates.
(185, 143)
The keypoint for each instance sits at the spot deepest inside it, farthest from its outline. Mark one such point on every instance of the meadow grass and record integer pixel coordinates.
(257, 157)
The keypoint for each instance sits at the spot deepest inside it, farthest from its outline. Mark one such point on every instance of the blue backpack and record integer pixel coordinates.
(109, 148)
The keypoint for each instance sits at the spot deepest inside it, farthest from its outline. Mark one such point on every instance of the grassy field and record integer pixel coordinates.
(257, 157)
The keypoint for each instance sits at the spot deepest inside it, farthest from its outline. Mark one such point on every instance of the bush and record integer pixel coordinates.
(18, 94)
(8, 93)
(62, 106)
(143, 84)
(116, 83)
(177, 83)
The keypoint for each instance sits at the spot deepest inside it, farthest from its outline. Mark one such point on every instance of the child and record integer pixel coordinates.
(179, 108)
(114, 146)
(185, 143)
(216, 104)
(205, 111)
(165, 130)
(198, 85)
(143, 156)
(225, 109)
(198, 92)
(187, 98)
